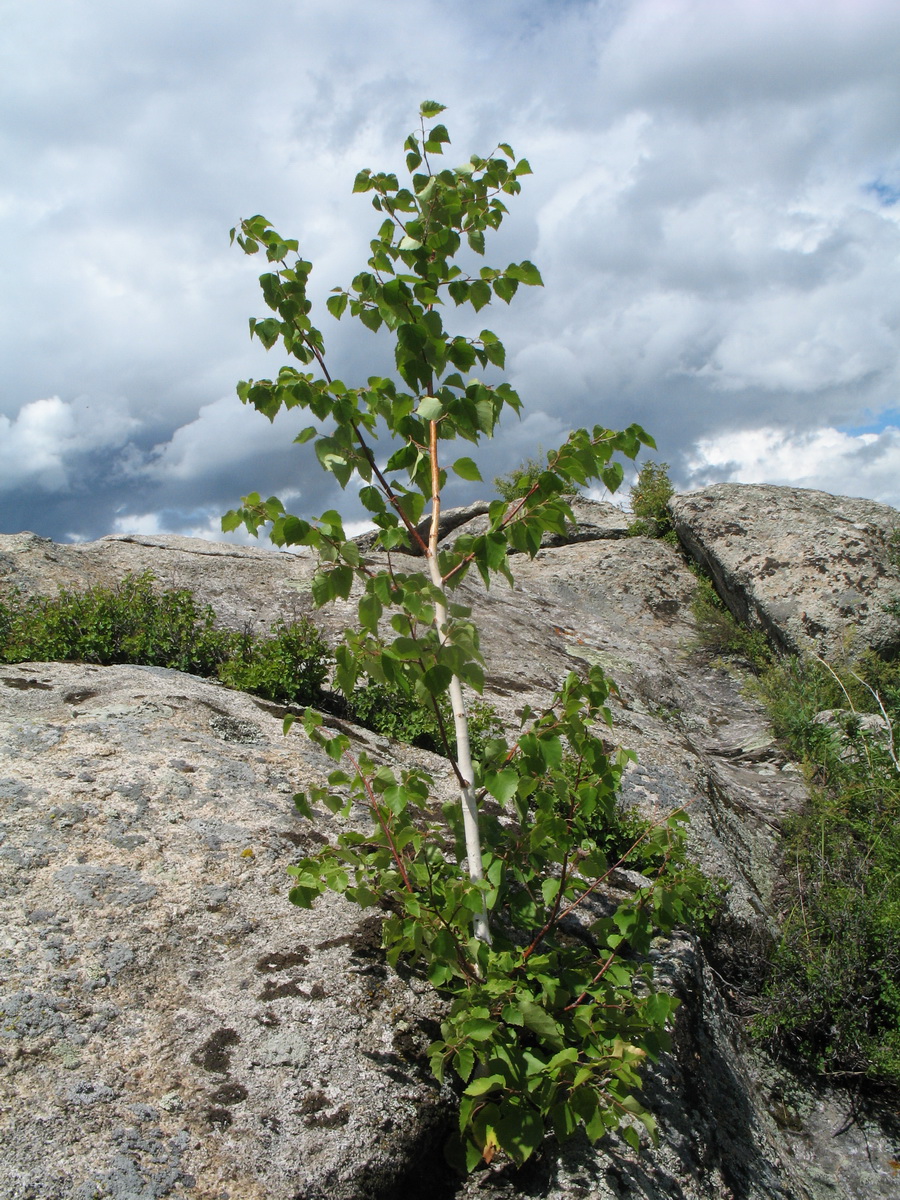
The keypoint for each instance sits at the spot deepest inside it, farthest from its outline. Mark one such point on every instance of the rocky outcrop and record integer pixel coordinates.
(246, 586)
(173, 1027)
(815, 571)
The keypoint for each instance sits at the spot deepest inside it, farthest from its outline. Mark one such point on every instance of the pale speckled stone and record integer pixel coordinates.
(813, 570)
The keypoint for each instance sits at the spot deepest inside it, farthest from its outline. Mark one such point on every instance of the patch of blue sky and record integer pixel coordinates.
(885, 192)
(889, 419)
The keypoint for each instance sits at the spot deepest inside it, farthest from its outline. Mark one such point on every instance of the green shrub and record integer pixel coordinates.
(649, 503)
(521, 479)
(395, 713)
(132, 623)
(833, 994)
(719, 632)
(289, 667)
(128, 623)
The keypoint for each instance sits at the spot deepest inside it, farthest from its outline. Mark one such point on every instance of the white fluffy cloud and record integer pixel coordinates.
(862, 464)
(49, 443)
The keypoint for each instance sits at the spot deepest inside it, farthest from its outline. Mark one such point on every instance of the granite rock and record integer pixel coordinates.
(815, 571)
(171, 1026)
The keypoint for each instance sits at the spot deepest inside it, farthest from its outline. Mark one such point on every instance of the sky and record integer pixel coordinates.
(714, 210)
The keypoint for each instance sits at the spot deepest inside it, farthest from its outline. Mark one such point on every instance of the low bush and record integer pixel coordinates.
(392, 712)
(521, 479)
(832, 995)
(134, 623)
(289, 667)
(128, 623)
(650, 497)
(721, 634)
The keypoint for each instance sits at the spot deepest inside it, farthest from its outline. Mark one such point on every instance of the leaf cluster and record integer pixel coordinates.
(549, 1025)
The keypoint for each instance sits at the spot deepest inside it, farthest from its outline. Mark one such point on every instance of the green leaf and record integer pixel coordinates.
(302, 805)
(484, 1084)
(551, 752)
(370, 610)
(526, 272)
(322, 588)
(502, 785)
(437, 679)
(564, 1120)
(466, 468)
(371, 318)
(476, 240)
(337, 304)
(459, 291)
(479, 1029)
(632, 1137)
(303, 897)
(539, 1021)
(431, 108)
(496, 353)
(430, 408)
(520, 1130)
(479, 294)
(342, 581)
(505, 287)
(471, 1156)
(464, 1061)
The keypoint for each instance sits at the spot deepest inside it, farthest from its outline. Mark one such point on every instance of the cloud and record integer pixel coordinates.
(50, 444)
(828, 459)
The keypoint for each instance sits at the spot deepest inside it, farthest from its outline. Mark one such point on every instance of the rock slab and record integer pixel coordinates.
(171, 1026)
(813, 570)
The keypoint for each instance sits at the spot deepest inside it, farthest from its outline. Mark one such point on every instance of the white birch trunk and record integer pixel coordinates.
(480, 924)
